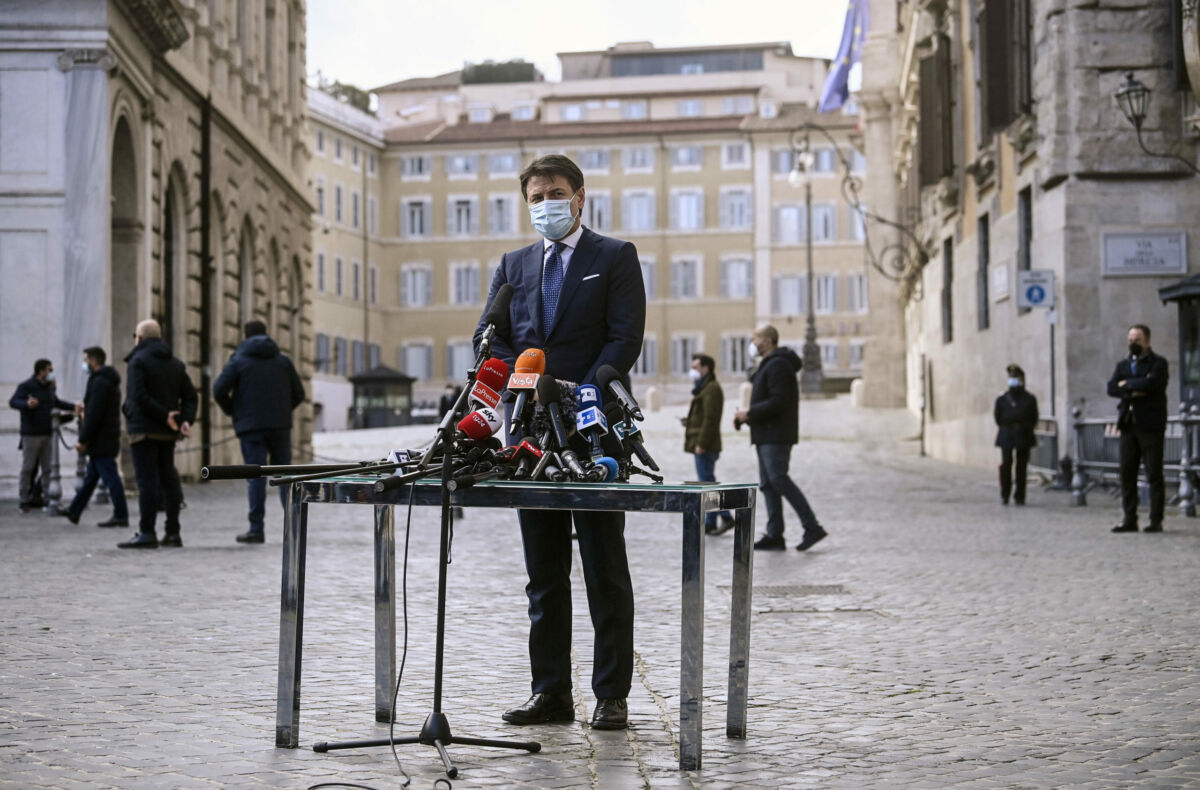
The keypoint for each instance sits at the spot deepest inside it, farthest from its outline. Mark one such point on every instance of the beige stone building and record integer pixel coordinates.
(152, 163)
(993, 135)
(685, 152)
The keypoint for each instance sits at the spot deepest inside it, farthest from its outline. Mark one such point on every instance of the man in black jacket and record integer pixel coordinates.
(160, 405)
(1140, 381)
(36, 400)
(774, 421)
(100, 439)
(260, 388)
(1016, 415)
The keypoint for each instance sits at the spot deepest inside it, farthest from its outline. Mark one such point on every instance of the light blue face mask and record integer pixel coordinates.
(552, 218)
(1014, 382)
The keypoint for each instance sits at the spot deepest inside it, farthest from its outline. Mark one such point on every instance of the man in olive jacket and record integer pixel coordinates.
(702, 431)
(774, 420)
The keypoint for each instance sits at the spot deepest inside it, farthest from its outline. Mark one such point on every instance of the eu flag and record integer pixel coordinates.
(837, 88)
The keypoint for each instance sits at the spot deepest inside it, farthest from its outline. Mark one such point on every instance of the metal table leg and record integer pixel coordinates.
(739, 622)
(385, 611)
(691, 641)
(291, 620)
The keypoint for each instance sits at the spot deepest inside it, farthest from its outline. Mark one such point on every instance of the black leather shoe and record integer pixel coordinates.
(610, 714)
(250, 537)
(1125, 528)
(69, 516)
(172, 541)
(114, 522)
(543, 708)
(811, 538)
(1153, 528)
(768, 543)
(140, 540)
(723, 525)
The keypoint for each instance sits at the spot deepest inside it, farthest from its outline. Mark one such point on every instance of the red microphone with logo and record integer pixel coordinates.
(489, 380)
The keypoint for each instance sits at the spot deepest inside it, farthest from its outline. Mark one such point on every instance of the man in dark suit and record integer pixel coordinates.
(1016, 415)
(579, 297)
(100, 438)
(1140, 381)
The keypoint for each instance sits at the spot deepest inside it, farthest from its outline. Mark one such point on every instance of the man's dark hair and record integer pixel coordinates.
(549, 166)
(705, 361)
(96, 353)
(253, 328)
(41, 365)
(1145, 329)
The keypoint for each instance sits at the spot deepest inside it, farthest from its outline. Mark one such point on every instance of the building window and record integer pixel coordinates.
(856, 353)
(337, 203)
(782, 161)
(737, 209)
(337, 149)
(682, 348)
(479, 114)
(321, 198)
(983, 239)
(687, 157)
(595, 160)
(1005, 85)
(830, 358)
(572, 112)
(416, 285)
(523, 112)
(858, 162)
(371, 164)
(824, 160)
(637, 211)
(354, 209)
(789, 294)
(650, 276)
(639, 159)
(371, 288)
(463, 215)
(321, 272)
(737, 278)
(768, 109)
(338, 274)
(690, 108)
(935, 120)
(416, 167)
(858, 223)
(856, 297)
(339, 356)
(416, 218)
(634, 110)
(789, 224)
(734, 358)
(354, 269)
(687, 209)
(354, 157)
(647, 361)
(1024, 233)
(321, 147)
(359, 353)
(416, 360)
(502, 212)
(685, 278)
(735, 156)
(503, 164)
(737, 105)
(826, 296)
(597, 211)
(371, 216)
(824, 219)
(948, 290)
(459, 359)
(464, 283)
(322, 362)
(691, 68)
(372, 356)
(462, 165)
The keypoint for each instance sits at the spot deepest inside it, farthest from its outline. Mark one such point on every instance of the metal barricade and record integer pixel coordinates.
(1044, 455)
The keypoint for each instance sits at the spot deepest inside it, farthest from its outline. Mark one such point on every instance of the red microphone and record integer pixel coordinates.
(479, 425)
(493, 373)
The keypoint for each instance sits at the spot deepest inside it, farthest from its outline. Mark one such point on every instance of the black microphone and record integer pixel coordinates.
(608, 378)
(550, 395)
(629, 433)
(497, 318)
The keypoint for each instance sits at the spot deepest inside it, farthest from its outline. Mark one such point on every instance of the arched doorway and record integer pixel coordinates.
(245, 273)
(172, 265)
(274, 287)
(125, 240)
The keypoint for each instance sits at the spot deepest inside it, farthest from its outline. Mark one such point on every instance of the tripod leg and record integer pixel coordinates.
(533, 747)
(451, 771)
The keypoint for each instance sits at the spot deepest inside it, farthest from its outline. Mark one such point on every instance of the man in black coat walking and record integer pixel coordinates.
(160, 405)
(1016, 414)
(100, 439)
(1140, 381)
(259, 387)
(35, 398)
(774, 420)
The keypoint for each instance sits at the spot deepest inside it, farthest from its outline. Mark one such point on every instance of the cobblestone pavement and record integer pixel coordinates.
(935, 639)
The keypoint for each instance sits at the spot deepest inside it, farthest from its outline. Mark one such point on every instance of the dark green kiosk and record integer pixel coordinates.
(382, 398)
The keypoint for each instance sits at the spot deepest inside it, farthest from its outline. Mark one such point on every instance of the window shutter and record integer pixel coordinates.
(995, 33)
(1022, 58)
(428, 287)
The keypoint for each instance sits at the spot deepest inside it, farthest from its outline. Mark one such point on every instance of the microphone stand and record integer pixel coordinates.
(436, 729)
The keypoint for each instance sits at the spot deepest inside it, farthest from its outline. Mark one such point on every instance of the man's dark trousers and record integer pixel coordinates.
(256, 447)
(776, 485)
(1145, 448)
(101, 469)
(706, 472)
(154, 465)
(547, 539)
(1007, 456)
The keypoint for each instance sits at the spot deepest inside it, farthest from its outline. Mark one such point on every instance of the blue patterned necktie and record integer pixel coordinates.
(1133, 366)
(552, 280)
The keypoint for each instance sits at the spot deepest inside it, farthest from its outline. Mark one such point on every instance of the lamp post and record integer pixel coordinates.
(1134, 99)
(811, 375)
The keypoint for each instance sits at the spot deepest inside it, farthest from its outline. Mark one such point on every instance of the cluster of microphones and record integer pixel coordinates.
(543, 411)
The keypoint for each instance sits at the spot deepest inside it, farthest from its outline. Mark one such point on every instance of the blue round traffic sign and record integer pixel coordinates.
(1035, 294)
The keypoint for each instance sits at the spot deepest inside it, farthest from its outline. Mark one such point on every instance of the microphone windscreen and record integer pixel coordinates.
(532, 360)
(548, 390)
(610, 468)
(567, 405)
(480, 424)
(493, 372)
(498, 312)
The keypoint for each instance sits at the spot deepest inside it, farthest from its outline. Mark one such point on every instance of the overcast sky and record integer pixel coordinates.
(373, 42)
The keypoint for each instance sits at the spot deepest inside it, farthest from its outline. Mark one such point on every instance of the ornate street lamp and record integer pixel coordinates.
(811, 375)
(1134, 99)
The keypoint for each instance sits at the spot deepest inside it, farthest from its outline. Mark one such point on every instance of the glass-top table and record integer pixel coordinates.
(691, 500)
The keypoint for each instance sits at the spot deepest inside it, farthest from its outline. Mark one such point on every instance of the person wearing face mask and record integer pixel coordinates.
(1016, 415)
(35, 398)
(579, 297)
(100, 438)
(1140, 383)
(702, 432)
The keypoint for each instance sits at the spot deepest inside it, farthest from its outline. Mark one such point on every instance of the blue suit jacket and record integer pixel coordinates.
(601, 311)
